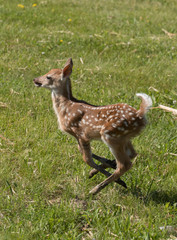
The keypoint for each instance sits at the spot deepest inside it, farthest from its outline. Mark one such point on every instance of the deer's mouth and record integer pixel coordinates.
(36, 83)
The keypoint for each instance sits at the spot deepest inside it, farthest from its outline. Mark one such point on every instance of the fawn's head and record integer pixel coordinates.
(55, 78)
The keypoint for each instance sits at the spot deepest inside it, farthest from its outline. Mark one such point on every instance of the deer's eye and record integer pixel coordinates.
(49, 78)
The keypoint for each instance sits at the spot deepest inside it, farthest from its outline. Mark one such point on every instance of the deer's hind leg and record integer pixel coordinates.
(130, 150)
(106, 163)
(87, 157)
(117, 148)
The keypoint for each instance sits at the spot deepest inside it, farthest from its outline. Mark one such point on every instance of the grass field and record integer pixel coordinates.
(118, 48)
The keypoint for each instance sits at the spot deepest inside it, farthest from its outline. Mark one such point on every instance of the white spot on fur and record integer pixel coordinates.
(114, 125)
(79, 111)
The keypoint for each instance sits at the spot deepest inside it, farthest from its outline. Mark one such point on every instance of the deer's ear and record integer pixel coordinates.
(67, 70)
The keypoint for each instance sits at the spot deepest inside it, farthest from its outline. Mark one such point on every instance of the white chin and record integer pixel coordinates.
(37, 85)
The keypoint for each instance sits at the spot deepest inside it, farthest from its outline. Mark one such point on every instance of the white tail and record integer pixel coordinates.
(146, 103)
(114, 124)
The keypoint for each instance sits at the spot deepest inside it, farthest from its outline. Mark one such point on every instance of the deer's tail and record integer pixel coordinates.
(146, 103)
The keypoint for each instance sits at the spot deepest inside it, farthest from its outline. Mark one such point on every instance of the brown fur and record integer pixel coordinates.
(114, 124)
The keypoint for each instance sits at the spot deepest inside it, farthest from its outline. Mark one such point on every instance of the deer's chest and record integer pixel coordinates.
(56, 110)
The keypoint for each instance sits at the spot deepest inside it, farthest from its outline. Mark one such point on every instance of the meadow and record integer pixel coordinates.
(118, 48)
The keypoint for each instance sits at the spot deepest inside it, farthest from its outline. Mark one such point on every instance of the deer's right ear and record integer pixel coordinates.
(67, 70)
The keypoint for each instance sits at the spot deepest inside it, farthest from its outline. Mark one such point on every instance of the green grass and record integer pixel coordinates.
(44, 183)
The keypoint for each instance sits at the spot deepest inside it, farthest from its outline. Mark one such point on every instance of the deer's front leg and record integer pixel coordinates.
(106, 163)
(85, 149)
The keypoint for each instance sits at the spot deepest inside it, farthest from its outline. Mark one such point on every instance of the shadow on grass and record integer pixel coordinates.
(158, 196)
(163, 197)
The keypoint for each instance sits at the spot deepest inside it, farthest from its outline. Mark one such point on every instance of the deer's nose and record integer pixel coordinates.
(36, 82)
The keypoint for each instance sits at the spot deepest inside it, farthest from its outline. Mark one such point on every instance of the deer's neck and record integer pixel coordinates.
(60, 103)
(59, 100)
(69, 91)
(62, 94)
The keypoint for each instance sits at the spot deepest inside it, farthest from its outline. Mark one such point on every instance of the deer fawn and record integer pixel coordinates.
(114, 124)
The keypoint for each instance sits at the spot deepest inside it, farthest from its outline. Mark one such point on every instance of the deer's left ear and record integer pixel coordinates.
(67, 70)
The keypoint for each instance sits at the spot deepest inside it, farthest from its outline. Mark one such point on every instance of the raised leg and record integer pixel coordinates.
(112, 163)
(105, 164)
(122, 159)
(87, 157)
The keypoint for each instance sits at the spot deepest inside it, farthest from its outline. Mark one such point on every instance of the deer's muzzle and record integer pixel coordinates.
(36, 82)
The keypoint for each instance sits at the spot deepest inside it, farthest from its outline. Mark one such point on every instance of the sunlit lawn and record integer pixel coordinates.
(118, 48)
